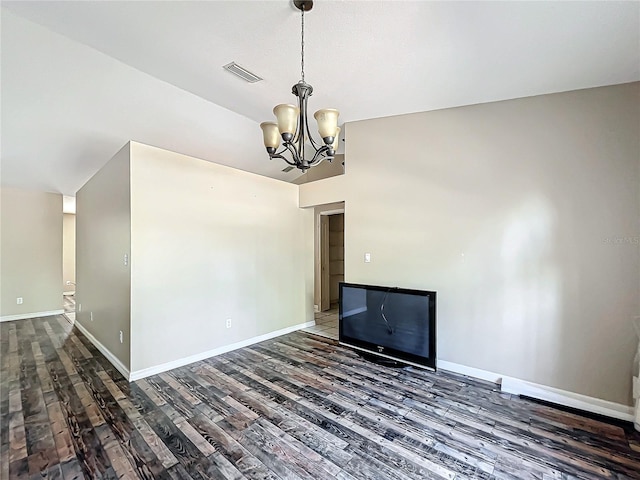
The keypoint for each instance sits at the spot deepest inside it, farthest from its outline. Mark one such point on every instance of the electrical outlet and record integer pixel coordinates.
(19, 300)
(228, 323)
(126, 260)
(120, 336)
(367, 257)
(91, 316)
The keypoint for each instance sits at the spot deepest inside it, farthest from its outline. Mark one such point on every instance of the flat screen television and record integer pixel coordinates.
(393, 323)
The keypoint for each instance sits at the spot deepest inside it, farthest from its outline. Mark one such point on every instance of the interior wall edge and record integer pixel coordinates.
(115, 361)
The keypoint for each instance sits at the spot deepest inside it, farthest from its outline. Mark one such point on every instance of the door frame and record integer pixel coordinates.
(322, 259)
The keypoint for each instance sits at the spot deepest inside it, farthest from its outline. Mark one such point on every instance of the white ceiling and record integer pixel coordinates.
(79, 79)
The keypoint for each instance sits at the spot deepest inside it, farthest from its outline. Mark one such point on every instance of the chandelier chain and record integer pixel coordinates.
(302, 46)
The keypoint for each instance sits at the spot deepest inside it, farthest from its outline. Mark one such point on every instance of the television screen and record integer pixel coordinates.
(395, 323)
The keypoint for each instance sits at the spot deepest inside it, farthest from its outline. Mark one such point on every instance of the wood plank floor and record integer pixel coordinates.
(298, 406)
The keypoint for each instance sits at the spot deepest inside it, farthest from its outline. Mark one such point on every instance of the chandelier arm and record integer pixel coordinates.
(296, 137)
(316, 146)
(299, 130)
(294, 154)
(281, 151)
(320, 155)
(282, 157)
(301, 124)
(303, 108)
(318, 162)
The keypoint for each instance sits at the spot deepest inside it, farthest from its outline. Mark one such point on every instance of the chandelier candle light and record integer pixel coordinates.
(292, 124)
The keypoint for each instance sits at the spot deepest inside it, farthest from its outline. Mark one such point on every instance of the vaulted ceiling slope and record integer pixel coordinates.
(79, 79)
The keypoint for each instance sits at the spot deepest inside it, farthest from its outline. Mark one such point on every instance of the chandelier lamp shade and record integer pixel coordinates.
(292, 126)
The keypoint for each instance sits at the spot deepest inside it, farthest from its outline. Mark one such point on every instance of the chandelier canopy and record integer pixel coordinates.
(292, 125)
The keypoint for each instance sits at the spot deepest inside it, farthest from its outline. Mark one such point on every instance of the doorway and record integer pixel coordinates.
(331, 259)
(69, 257)
(328, 267)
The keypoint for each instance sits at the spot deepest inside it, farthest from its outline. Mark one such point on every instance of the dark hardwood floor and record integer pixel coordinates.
(298, 406)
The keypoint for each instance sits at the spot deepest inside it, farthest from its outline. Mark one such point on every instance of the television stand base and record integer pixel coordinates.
(385, 362)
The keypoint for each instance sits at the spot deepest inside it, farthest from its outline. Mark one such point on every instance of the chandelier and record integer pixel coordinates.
(292, 125)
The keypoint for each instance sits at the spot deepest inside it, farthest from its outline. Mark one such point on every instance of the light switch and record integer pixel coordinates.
(367, 257)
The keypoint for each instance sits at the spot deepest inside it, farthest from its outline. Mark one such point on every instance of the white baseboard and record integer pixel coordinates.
(71, 292)
(542, 392)
(105, 351)
(147, 372)
(508, 384)
(469, 371)
(568, 399)
(22, 316)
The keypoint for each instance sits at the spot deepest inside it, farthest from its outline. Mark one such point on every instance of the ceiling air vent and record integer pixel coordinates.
(287, 169)
(243, 73)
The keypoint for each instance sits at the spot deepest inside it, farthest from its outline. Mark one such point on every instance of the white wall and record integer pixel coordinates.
(210, 243)
(103, 233)
(31, 253)
(523, 215)
(68, 252)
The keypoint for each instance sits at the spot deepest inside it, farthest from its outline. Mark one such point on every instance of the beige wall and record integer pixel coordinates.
(31, 252)
(68, 252)
(330, 190)
(523, 215)
(210, 243)
(103, 233)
